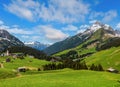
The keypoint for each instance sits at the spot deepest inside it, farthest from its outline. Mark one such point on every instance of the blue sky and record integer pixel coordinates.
(49, 21)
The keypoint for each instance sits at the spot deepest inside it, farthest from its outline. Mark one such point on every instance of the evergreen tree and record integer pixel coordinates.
(92, 67)
(100, 68)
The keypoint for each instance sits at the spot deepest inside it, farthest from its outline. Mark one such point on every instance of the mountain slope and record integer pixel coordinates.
(28, 51)
(98, 41)
(7, 40)
(94, 37)
(107, 58)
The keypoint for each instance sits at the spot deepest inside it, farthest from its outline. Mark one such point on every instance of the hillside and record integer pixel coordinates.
(95, 36)
(27, 61)
(27, 51)
(8, 40)
(108, 58)
(101, 39)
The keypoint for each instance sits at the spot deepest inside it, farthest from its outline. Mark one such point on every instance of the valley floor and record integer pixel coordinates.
(64, 78)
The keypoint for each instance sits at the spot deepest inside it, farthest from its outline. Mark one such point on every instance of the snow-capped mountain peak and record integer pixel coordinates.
(36, 45)
(97, 25)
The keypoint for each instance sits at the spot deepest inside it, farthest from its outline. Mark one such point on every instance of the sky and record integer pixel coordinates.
(50, 21)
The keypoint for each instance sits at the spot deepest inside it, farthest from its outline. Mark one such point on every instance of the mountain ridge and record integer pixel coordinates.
(7, 40)
(80, 38)
(36, 45)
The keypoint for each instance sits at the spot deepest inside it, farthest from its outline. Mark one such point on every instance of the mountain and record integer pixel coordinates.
(36, 45)
(28, 51)
(93, 38)
(8, 40)
(117, 32)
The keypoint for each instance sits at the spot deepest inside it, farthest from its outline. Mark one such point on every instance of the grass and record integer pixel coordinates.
(28, 62)
(10, 68)
(108, 58)
(6, 73)
(64, 78)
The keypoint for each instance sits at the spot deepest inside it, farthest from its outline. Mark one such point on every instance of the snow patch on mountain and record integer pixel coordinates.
(36, 45)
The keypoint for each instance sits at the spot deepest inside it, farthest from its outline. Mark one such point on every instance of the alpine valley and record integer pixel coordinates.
(93, 53)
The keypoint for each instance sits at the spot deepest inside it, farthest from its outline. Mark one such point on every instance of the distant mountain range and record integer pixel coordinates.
(36, 45)
(97, 36)
(8, 40)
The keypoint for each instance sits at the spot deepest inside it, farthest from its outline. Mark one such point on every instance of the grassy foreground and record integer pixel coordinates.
(64, 78)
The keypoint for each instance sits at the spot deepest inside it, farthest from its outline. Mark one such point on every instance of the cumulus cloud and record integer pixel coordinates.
(63, 11)
(70, 28)
(52, 33)
(104, 16)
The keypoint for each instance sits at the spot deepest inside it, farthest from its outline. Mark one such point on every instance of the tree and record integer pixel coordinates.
(92, 67)
(100, 68)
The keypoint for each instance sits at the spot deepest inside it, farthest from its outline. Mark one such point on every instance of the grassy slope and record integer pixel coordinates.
(108, 58)
(14, 64)
(79, 49)
(10, 68)
(64, 78)
(6, 73)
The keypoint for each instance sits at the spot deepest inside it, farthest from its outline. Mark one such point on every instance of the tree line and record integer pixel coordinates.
(28, 51)
(76, 65)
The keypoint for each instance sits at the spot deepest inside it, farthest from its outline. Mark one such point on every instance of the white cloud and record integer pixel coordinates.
(4, 26)
(19, 31)
(15, 30)
(118, 26)
(95, 14)
(63, 11)
(35, 38)
(92, 21)
(82, 28)
(110, 15)
(51, 33)
(104, 16)
(25, 36)
(15, 26)
(70, 28)
(23, 8)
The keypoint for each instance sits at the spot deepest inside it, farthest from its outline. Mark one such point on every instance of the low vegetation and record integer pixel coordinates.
(64, 78)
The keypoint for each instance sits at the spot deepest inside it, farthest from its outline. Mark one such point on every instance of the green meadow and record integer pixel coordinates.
(64, 78)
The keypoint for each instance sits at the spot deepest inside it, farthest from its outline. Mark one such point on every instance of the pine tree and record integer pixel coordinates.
(100, 68)
(92, 67)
